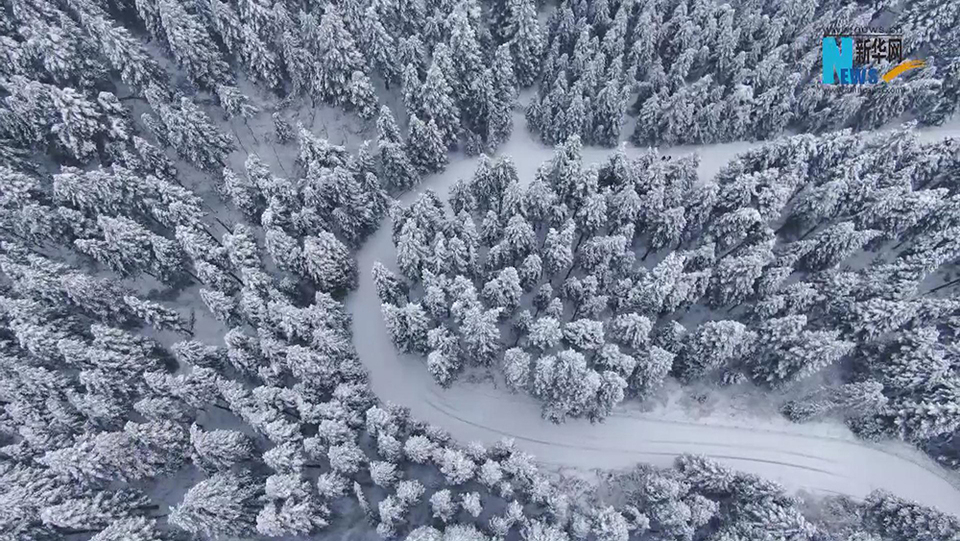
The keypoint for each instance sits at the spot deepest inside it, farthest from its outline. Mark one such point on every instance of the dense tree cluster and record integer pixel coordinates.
(592, 284)
(706, 72)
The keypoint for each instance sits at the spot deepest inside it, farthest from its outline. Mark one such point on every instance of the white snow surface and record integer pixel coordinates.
(820, 458)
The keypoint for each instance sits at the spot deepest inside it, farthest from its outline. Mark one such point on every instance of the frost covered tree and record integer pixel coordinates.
(502, 98)
(96, 511)
(155, 314)
(481, 335)
(504, 291)
(290, 507)
(407, 326)
(399, 172)
(130, 529)
(390, 289)
(383, 474)
(329, 263)
(189, 131)
(425, 146)
(471, 504)
(584, 334)
(713, 345)
(334, 80)
(188, 40)
(219, 450)
(437, 103)
(516, 368)
(526, 42)
(631, 330)
(565, 384)
(418, 449)
(558, 249)
(127, 248)
(456, 467)
(224, 504)
(443, 505)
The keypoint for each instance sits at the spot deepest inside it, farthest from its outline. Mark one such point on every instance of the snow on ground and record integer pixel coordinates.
(823, 458)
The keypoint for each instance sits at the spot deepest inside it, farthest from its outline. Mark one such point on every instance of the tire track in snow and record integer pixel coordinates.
(656, 453)
(801, 458)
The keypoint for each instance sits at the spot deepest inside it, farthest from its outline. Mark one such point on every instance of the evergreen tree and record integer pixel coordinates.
(503, 96)
(189, 42)
(223, 504)
(96, 511)
(341, 57)
(155, 314)
(398, 170)
(329, 263)
(898, 518)
(631, 330)
(235, 103)
(652, 368)
(390, 288)
(130, 529)
(189, 131)
(425, 146)
(481, 335)
(379, 46)
(713, 345)
(438, 105)
(526, 41)
(565, 384)
(557, 249)
(608, 113)
(127, 247)
(220, 450)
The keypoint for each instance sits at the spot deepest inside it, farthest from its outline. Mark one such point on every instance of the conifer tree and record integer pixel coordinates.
(389, 287)
(329, 263)
(526, 42)
(398, 171)
(713, 345)
(189, 130)
(481, 335)
(223, 504)
(503, 96)
(155, 314)
(334, 76)
(608, 113)
(425, 146)
(190, 43)
(438, 105)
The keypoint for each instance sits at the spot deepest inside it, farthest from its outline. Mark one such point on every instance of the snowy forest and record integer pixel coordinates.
(185, 187)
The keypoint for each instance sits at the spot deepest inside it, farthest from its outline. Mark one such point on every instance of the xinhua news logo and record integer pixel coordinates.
(853, 57)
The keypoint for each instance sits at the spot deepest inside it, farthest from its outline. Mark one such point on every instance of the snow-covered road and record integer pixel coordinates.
(814, 457)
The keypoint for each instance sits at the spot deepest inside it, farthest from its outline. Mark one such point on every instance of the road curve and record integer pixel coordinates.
(798, 456)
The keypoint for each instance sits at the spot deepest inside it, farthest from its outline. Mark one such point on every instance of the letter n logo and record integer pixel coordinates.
(836, 58)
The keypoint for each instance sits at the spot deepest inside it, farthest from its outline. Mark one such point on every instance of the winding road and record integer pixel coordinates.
(819, 458)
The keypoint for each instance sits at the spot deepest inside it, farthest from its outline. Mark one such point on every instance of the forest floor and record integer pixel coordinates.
(741, 432)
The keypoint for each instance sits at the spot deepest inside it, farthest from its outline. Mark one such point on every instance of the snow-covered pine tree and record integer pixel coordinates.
(526, 41)
(333, 79)
(188, 40)
(437, 104)
(223, 504)
(481, 335)
(189, 131)
(425, 146)
(713, 345)
(398, 171)
(389, 287)
(329, 263)
(500, 109)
